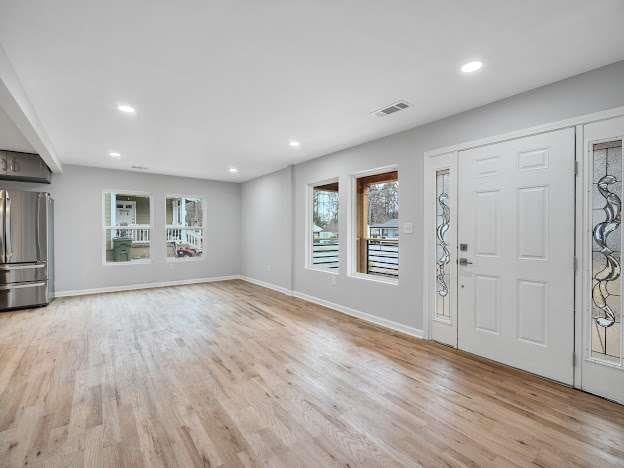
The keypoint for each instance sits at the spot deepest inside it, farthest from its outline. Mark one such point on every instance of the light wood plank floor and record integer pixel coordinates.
(231, 374)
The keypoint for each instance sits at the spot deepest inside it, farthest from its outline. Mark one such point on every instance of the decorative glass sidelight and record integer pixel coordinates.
(606, 314)
(443, 255)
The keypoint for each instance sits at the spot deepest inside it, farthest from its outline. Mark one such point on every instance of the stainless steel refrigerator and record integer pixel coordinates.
(26, 249)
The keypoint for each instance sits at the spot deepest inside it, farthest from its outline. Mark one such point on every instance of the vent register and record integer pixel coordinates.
(391, 109)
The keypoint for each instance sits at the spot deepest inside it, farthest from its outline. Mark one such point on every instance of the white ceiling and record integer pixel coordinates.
(229, 83)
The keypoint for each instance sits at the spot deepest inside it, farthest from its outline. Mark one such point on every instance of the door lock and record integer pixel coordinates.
(464, 261)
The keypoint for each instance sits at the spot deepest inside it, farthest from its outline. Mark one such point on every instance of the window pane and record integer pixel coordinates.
(127, 227)
(378, 225)
(443, 255)
(184, 230)
(325, 236)
(606, 320)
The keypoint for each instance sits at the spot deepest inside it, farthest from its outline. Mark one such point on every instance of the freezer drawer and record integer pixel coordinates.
(23, 295)
(22, 272)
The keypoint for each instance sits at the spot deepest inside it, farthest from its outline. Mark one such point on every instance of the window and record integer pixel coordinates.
(127, 227)
(443, 255)
(377, 225)
(185, 227)
(324, 236)
(606, 252)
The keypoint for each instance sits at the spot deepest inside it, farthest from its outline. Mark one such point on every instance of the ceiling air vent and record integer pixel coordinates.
(139, 168)
(396, 107)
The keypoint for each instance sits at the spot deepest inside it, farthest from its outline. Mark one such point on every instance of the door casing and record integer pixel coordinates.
(451, 152)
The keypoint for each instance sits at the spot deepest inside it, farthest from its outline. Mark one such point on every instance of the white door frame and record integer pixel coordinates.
(606, 373)
(430, 158)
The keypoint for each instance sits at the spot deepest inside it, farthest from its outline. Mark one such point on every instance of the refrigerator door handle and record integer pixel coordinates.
(9, 287)
(26, 266)
(7, 228)
(2, 226)
(38, 246)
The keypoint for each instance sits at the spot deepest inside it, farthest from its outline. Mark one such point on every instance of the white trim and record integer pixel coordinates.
(323, 270)
(264, 284)
(309, 215)
(103, 226)
(382, 322)
(352, 222)
(432, 164)
(199, 258)
(138, 261)
(579, 252)
(374, 278)
(16, 104)
(572, 122)
(370, 318)
(132, 287)
(581, 213)
(375, 171)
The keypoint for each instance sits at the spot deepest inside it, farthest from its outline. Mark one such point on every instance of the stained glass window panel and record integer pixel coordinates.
(606, 317)
(443, 255)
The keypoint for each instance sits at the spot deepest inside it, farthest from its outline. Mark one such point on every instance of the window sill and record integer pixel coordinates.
(374, 278)
(185, 259)
(131, 262)
(323, 270)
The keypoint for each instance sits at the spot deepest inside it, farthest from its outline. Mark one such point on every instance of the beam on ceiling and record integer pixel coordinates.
(15, 103)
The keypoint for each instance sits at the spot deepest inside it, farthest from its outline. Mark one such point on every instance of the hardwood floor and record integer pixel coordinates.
(231, 374)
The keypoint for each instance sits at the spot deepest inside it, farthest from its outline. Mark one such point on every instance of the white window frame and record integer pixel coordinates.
(104, 227)
(201, 257)
(353, 222)
(308, 227)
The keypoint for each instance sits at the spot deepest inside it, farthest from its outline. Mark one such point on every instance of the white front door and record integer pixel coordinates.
(602, 368)
(516, 227)
(125, 213)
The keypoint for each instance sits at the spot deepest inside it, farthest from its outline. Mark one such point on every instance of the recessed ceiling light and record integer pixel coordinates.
(126, 108)
(114, 154)
(294, 144)
(233, 170)
(471, 67)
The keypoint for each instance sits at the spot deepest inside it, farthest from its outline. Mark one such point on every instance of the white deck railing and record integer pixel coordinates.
(139, 233)
(185, 235)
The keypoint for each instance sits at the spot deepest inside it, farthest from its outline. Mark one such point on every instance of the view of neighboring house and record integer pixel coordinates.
(129, 232)
(387, 230)
(185, 233)
(127, 221)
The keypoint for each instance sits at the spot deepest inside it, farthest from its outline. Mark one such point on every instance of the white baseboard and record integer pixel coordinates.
(382, 322)
(264, 284)
(132, 287)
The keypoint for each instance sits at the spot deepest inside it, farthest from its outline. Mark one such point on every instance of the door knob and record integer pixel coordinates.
(464, 261)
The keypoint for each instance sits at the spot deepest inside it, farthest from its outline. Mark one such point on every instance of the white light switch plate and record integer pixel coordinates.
(408, 228)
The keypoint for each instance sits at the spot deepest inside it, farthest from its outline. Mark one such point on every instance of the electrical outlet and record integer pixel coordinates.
(268, 268)
(332, 280)
(408, 228)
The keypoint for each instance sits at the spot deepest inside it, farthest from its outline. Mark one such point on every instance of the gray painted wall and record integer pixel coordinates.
(590, 92)
(267, 228)
(77, 194)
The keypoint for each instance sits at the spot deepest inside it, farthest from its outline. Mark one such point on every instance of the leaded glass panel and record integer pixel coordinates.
(606, 318)
(443, 255)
